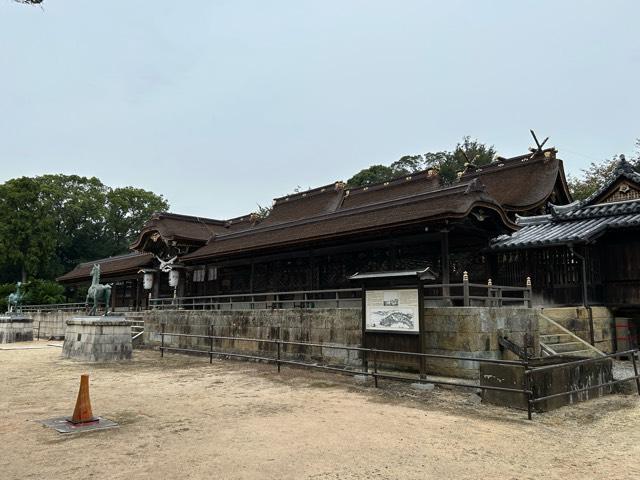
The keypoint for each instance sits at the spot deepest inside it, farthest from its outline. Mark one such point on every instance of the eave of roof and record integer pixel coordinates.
(111, 266)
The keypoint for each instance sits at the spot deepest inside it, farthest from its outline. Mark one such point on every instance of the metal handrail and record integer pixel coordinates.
(265, 300)
(50, 307)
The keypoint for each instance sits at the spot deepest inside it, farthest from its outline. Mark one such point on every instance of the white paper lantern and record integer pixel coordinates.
(174, 278)
(147, 280)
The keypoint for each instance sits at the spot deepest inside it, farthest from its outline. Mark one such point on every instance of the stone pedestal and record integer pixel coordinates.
(98, 339)
(15, 328)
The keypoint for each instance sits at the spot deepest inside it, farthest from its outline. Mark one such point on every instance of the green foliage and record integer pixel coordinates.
(49, 224)
(373, 174)
(596, 174)
(127, 210)
(43, 291)
(448, 163)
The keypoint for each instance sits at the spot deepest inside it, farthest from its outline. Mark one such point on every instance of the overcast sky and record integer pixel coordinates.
(222, 105)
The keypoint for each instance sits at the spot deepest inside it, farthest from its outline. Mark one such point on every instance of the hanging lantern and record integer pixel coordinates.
(147, 280)
(174, 278)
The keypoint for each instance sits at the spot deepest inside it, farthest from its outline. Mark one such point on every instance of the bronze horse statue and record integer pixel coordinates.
(98, 292)
(14, 300)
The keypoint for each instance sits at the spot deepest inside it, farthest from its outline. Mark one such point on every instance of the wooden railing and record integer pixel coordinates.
(478, 294)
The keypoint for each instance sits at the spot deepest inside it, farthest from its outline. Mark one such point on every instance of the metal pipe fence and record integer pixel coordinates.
(54, 307)
(367, 353)
(342, 298)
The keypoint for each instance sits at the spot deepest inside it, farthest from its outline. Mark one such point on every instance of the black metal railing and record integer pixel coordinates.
(342, 298)
(371, 356)
(54, 307)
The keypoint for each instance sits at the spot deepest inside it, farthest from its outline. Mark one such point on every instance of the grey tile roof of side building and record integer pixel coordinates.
(577, 222)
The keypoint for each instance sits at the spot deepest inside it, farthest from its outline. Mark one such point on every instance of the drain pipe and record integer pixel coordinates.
(585, 299)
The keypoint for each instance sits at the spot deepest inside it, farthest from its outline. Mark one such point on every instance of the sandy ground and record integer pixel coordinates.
(183, 418)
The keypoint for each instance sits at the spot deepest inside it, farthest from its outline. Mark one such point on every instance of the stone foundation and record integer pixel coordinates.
(98, 339)
(16, 328)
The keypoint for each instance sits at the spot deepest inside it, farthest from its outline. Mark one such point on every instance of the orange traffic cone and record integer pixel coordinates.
(82, 412)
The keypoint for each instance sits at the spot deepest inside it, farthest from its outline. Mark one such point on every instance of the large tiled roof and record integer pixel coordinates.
(319, 201)
(451, 202)
(188, 229)
(111, 266)
(525, 182)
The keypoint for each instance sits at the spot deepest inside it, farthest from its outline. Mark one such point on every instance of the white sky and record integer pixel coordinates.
(220, 105)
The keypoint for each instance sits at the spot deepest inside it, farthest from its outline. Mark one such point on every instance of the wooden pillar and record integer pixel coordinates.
(444, 251)
(422, 344)
(136, 304)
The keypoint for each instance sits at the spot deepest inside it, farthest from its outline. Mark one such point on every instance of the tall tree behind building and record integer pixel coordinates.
(593, 177)
(50, 223)
(448, 163)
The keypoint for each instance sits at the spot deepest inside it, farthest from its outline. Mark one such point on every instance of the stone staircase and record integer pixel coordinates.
(557, 340)
(137, 327)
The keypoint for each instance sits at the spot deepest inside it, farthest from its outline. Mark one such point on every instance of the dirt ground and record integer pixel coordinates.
(183, 418)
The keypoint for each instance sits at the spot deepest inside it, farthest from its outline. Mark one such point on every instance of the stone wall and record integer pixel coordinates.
(576, 319)
(474, 332)
(463, 331)
(328, 326)
(52, 324)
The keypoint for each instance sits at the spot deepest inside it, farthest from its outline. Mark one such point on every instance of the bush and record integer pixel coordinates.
(43, 292)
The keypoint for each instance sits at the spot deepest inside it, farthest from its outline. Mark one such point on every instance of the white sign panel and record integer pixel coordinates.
(392, 310)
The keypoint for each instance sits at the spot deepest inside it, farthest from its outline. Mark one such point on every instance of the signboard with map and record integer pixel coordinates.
(392, 310)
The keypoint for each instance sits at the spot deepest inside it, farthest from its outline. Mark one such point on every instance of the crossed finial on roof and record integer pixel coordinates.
(539, 146)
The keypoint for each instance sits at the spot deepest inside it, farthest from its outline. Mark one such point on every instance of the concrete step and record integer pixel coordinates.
(566, 347)
(555, 338)
(580, 353)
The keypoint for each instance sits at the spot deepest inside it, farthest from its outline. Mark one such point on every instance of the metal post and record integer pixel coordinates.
(162, 341)
(210, 343)
(465, 289)
(375, 368)
(278, 361)
(635, 370)
(527, 387)
(38, 337)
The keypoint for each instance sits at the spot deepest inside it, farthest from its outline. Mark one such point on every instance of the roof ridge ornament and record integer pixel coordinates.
(475, 186)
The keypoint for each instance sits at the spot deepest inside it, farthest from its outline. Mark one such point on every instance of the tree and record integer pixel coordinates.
(127, 210)
(594, 176)
(48, 224)
(27, 228)
(373, 174)
(448, 163)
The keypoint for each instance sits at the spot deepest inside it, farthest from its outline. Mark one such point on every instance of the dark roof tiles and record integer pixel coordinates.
(111, 266)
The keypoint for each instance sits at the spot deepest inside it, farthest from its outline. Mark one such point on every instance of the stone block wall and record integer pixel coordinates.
(576, 319)
(340, 326)
(474, 332)
(52, 324)
(15, 328)
(98, 339)
(460, 331)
